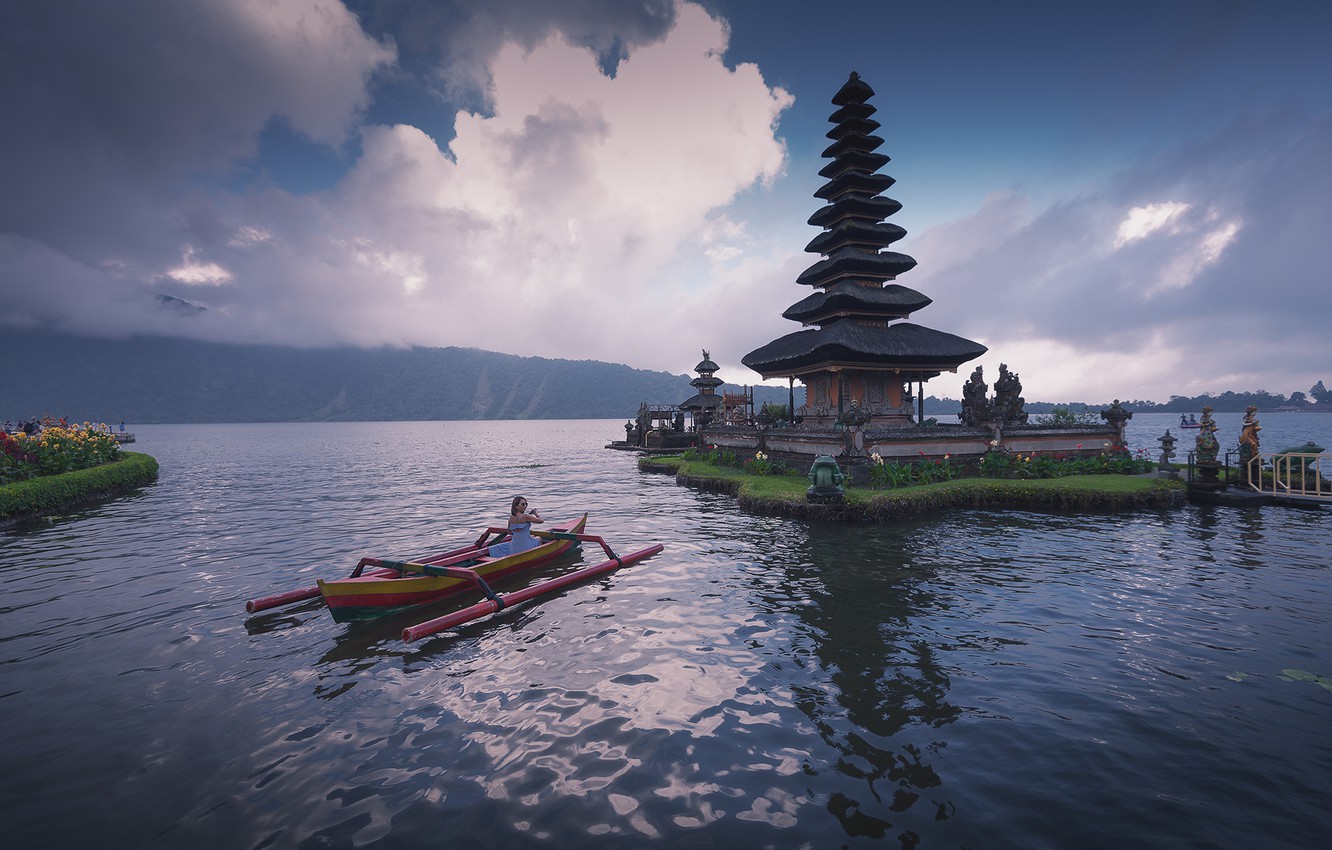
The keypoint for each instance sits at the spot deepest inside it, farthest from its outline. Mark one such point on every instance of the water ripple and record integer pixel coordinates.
(937, 682)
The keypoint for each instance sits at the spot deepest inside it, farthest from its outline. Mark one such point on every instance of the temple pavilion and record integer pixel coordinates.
(857, 355)
(703, 405)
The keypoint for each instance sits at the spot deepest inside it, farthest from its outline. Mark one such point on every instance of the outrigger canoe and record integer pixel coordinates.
(379, 586)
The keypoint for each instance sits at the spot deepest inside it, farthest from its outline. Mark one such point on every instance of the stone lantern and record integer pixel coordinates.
(1167, 452)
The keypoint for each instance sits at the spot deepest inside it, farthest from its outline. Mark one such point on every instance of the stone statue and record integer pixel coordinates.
(1206, 444)
(1008, 402)
(825, 480)
(1249, 433)
(1248, 443)
(854, 416)
(975, 401)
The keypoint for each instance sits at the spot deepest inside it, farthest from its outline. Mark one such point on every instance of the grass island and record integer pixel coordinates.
(784, 493)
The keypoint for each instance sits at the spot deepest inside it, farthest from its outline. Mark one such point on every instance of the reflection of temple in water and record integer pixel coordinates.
(890, 687)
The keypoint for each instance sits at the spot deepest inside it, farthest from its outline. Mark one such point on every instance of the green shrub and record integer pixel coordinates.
(49, 493)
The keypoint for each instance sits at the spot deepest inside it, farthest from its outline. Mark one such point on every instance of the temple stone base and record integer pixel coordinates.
(1207, 477)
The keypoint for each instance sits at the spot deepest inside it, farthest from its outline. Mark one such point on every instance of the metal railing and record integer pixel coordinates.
(1289, 474)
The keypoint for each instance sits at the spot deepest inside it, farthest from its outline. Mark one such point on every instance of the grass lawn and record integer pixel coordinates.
(784, 495)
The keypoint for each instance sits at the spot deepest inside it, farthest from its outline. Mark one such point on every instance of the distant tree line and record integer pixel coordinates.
(1318, 398)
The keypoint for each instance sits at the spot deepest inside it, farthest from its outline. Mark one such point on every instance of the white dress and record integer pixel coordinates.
(520, 540)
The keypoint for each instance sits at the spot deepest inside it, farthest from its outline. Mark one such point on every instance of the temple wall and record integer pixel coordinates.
(1079, 442)
(738, 440)
(930, 446)
(803, 443)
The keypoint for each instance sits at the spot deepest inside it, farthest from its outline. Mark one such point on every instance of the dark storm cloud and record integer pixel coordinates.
(452, 40)
(114, 111)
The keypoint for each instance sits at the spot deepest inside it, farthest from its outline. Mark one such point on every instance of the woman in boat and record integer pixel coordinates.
(520, 530)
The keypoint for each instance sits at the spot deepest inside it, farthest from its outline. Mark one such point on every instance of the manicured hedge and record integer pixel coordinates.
(785, 496)
(53, 493)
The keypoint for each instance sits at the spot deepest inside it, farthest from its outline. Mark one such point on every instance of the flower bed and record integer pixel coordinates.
(61, 468)
(55, 450)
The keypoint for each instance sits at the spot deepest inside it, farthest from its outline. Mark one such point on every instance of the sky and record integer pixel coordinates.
(1127, 200)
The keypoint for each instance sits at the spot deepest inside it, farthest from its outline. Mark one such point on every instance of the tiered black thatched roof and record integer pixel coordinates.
(904, 346)
(854, 304)
(891, 301)
(707, 383)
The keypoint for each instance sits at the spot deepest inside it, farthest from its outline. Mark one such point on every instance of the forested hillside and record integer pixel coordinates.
(173, 380)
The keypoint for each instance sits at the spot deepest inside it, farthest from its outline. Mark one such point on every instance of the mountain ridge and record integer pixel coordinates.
(161, 379)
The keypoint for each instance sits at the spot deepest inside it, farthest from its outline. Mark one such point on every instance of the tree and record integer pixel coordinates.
(1321, 394)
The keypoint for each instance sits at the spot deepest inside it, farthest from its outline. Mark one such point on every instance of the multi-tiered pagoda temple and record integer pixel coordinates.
(857, 357)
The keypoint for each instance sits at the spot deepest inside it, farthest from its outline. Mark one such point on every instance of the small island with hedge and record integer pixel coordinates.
(1113, 480)
(59, 467)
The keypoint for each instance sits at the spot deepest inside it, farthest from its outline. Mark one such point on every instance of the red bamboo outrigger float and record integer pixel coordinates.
(389, 586)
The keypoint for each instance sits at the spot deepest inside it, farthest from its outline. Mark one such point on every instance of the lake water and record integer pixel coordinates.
(973, 679)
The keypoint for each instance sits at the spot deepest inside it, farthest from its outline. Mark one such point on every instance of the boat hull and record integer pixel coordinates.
(383, 591)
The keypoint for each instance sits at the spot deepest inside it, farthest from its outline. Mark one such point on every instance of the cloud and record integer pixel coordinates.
(451, 44)
(115, 112)
(1146, 220)
(1182, 274)
(542, 227)
(582, 181)
(195, 272)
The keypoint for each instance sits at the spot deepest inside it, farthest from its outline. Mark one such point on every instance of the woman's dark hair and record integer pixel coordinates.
(513, 508)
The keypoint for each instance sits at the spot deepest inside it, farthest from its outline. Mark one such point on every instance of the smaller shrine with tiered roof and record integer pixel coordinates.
(702, 406)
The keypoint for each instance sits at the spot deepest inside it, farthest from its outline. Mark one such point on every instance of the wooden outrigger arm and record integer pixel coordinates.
(263, 603)
(498, 603)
